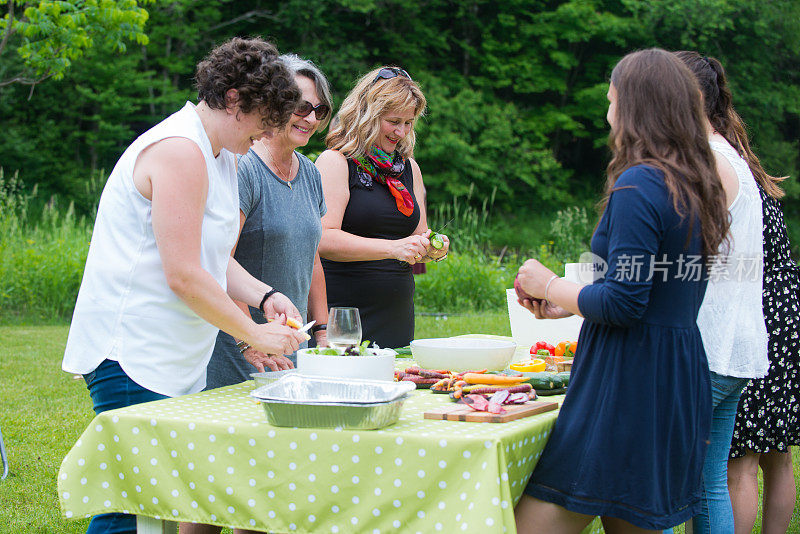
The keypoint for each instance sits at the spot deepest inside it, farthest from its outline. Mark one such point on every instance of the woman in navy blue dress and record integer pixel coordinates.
(630, 440)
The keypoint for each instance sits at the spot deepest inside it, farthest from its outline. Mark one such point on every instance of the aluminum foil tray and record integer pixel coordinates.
(268, 377)
(333, 415)
(301, 389)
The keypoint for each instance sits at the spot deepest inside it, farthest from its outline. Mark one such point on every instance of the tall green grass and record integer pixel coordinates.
(41, 256)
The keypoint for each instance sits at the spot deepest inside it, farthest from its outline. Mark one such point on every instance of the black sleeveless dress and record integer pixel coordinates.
(382, 290)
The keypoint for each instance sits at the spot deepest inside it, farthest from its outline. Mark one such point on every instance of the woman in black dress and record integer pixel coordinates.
(376, 227)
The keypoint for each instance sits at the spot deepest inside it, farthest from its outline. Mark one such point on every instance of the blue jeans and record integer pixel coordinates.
(716, 513)
(111, 388)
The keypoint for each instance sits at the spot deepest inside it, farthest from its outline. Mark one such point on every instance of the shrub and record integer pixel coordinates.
(464, 282)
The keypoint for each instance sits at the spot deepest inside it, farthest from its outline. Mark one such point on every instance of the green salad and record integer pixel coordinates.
(357, 350)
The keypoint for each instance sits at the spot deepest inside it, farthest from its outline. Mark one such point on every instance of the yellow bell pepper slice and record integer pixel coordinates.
(528, 366)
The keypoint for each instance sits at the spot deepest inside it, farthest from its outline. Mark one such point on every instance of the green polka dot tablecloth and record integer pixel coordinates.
(213, 458)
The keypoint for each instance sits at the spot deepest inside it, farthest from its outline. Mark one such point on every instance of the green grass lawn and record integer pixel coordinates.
(43, 411)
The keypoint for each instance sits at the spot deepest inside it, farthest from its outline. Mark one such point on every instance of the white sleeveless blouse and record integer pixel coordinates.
(731, 318)
(125, 310)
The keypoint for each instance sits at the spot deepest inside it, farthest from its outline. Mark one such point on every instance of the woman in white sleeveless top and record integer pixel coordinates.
(731, 318)
(159, 278)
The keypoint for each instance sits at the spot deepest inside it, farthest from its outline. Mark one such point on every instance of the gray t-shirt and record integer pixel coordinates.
(279, 239)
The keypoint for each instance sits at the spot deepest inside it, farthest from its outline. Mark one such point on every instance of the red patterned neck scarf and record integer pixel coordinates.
(386, 169)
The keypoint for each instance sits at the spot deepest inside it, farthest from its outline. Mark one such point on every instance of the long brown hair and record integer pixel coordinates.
(718, 103)
(660, 123)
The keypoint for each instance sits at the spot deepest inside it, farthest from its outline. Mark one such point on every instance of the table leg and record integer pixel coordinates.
(150, 525)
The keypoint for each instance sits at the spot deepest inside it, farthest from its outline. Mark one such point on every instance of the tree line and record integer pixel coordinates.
(516, 89)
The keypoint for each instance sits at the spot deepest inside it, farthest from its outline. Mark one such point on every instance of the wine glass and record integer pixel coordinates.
(344, 328)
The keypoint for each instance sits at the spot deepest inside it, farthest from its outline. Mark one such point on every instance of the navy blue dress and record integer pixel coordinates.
(630, 439)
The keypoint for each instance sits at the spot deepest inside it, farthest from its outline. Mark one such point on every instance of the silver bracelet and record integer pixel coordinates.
(442, 258)
(242, 346)
(547, 287)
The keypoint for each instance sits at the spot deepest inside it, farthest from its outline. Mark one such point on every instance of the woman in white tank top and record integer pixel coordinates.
(159, 279)
(731, 318)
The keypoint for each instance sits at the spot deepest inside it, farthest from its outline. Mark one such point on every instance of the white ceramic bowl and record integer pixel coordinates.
(463, 353)
(378, 367)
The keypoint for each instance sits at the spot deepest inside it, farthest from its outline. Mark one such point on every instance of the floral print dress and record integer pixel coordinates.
(768, 418)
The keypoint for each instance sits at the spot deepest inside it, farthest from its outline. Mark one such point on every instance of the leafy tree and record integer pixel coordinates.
(49, 35)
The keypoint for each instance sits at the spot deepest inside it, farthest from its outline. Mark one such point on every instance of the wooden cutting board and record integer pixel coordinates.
(460, 412)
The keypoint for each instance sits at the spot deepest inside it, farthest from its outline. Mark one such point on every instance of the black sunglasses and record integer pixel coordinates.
(387, 73)
(305, 108)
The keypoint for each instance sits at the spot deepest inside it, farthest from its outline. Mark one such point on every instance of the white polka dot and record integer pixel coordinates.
(354, 520)
(312, 477)
(135, 450)
(396, 503)
(397, 483)
(292, 466)
(378, 470)
(81, 461)
(211, 478)
(355, 480)
(173, 434)
(190, 446)
(211, 498)
(155, 500)
(421, 494)
(153, 461)
(311, 498)
(311, 518)
(421, 473)
(442, 484)
(292, 506)
(85, 500)
(463, 496)
(231, 450)
(211, 458)
(66, 495)
(313, 436)
(252, 442)
(101, 447)
(379, 450)
(190, 466)
(229, 490)
(335, 509)
(154, 442)
(271, 474)
(355, 500)
(292, 486)
(466, 454)
(489, 521)
(335, 448)
(135, 430)
(231, 430)
(421, 452)
(229, 470)
(355, 459)
(334, 489)
(421, 514)
(253, 482)
(212, 438)
(252, 462)
(271, 514)
(293, 445)
(83, 481)
(376, 512)
(335, 468)
(106, 503)
(465, 475)
(398, 462)
(271, 433)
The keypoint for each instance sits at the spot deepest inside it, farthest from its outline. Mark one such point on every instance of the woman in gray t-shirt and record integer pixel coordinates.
(281, 203)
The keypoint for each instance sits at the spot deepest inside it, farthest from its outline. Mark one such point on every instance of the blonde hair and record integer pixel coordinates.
(357, 124)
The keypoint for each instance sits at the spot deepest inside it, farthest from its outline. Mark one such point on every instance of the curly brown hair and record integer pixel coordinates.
(252, 67)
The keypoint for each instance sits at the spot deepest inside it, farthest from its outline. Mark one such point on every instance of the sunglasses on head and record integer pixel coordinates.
(387, 73)
(305, 108)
